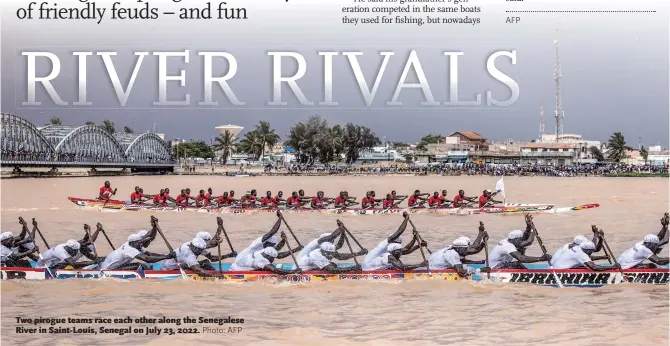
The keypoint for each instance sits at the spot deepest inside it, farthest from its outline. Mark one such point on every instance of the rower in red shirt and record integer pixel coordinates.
(188, 195)
(182, 199)
(318, 201)
(293, 201)
(209, 194)
(443, 198)
(202, 200)
(366, 202)
(268, 201)
(340, 202)
(460, 200)
(106, 191)
(252, 198)
(158, 198)
(166, 196)
(434, 200)
(222, 200)
(136, 196)
(487, 198)
(415, 200)
(389, 201)
(279, 199)
(231, 198)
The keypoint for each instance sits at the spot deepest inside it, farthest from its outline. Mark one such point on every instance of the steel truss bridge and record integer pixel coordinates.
(25, 145)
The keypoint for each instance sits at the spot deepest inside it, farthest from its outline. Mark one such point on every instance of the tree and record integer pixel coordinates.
(193, 149)
(108, 126)
(127, 129)
(266, 135)
(90, 123)
(55, 121)
(616, 147)
(356, 139)
(428, 139)
(252, 143)
(225, 144)
(644, 153)
(595, 152)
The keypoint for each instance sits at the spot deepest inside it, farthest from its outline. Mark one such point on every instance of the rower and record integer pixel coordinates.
(397, 197)
(415, 200)
(222, 200)
(268, 201)
(318, 201)
(245, 201)
(267, 240)
(434, 200)
(486, 199)
(303, 199)
(182, 199)
(25, 240)
(121, 258)
(63, 255)
(320, 259)
(279, 199)
(511, 248)
(210, 195)
(479, 244)
(106, 191)
(644, 250)
(578, 240)
(187, 258)
(202, 200)
(341, 201)
(663, 234)
(136, 196)
(253, 198)
(166, 196)
(390, 259)
(158, 199)
(293, 201)
(388, 202)
(453, 257)
(460, 200)
(231, 198)
(578, 256)
(87, 245)
(11, 258)
(188, 195)
(375, 201)
(395, 238)
(262, 260)
(323, 238)
(367, 201)
(444, 201)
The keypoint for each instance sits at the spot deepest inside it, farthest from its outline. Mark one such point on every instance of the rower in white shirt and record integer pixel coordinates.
(121, 258)
(578, 256)
(262, 260)
(450, 258)
(642, 251)
(10, 258)
(62, 255)
(260, 243)
(395, 238)
(316, 243)
(508, 253)
(390, 259)
(193, 247)
(321, 259)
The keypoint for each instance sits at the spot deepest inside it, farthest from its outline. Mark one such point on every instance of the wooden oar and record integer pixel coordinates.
(418, 238)
(279, 213)
(110, 197)
(290, 251)
(544, 252)
(341, 224)
(154, 222)
(486, 259)
(87, 228)
(594, 228)
(40, 233)
(607, 246)
(346, 231)
(106, 237)
(219, 220)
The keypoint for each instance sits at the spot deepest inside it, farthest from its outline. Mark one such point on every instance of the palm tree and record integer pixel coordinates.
(597, 153)
(55, 121)
(616, 147)
(127, 129)
(266, 135)
(251, 144)
(108, 126)
(225, 143)
(644, 153)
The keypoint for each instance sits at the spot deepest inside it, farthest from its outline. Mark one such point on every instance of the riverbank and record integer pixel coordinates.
(9, 173)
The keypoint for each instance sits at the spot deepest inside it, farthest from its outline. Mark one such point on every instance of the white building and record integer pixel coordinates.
(582, 147)
(234, 129)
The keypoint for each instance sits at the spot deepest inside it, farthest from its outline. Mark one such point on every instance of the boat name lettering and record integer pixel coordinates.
(12, 274)
(648, 278)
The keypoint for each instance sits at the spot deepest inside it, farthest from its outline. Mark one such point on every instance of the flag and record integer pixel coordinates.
(500, 187)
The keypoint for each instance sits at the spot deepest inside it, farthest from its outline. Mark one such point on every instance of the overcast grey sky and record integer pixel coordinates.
(615, 70)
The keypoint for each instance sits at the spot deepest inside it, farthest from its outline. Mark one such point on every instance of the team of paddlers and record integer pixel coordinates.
(320, 253)
(298, 199)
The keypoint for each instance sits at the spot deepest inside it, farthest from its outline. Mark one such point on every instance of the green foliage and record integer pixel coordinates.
(193, 149)
(616, 147)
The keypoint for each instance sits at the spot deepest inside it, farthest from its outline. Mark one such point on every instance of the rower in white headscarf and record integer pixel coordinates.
(642, 251)
(452, 257)
(262, 260)
(321, 259)
(510, 249)
(391, 260)
(63, 255)
(578, 256)
(10, 258)
(121, 258)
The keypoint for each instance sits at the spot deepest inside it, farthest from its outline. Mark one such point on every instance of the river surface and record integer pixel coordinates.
(345, 313)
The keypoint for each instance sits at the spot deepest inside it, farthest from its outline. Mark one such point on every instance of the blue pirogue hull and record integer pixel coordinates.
(539, 276)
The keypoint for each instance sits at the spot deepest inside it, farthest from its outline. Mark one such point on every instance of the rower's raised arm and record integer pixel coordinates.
(663, 234)
(478, 245)
(400, 230)
(597, 238)
(274, 229)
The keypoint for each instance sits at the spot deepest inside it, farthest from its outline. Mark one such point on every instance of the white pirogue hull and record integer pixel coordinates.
(506, 209)
(543, 277)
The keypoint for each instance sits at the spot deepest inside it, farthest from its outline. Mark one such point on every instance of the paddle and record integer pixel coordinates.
(110, 197)
(417, 234)
(594, 228)
(40, 233)
(418, 238)
(544, 249)
(607, 246)
(279, 213)
(219, 221)
(340, 224)
(290, 251)
(154, 223)
(87, 228)
(99, 225)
